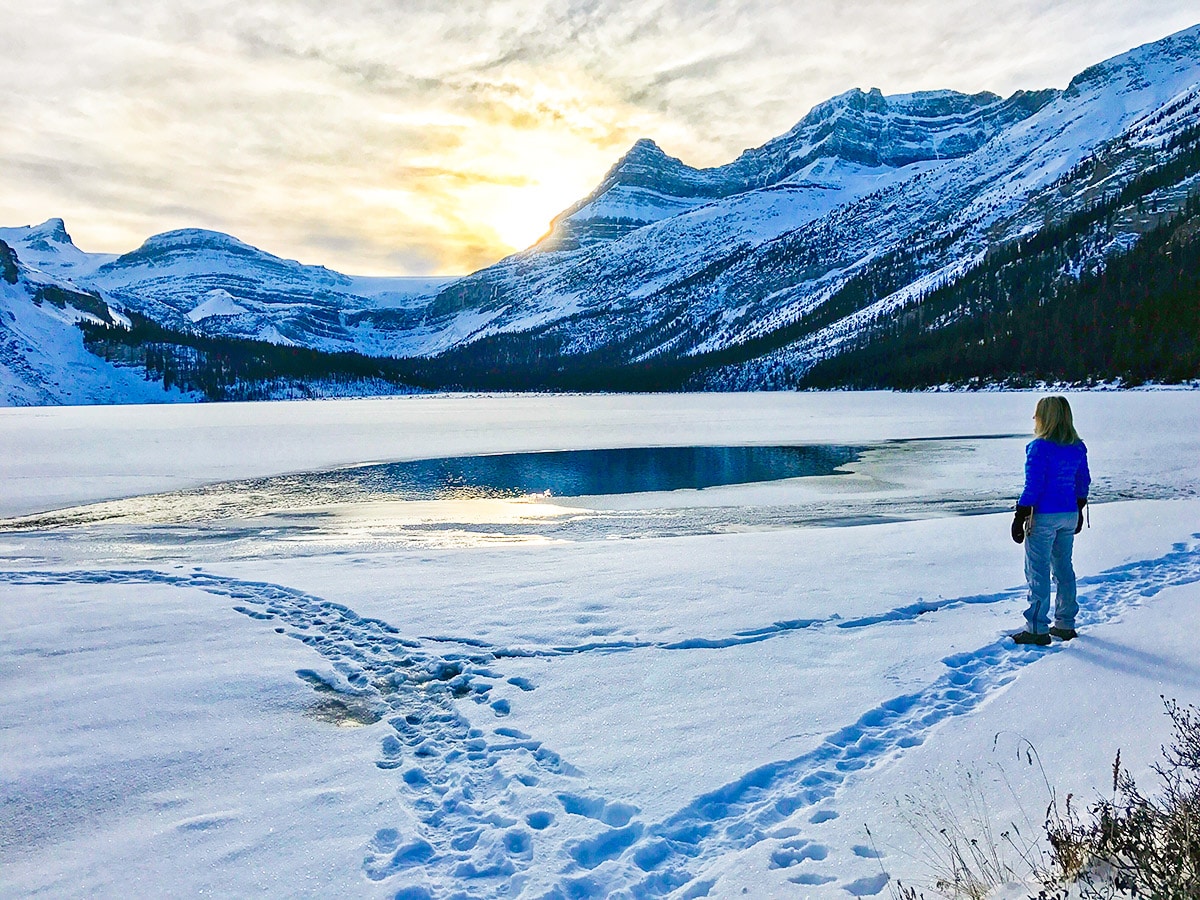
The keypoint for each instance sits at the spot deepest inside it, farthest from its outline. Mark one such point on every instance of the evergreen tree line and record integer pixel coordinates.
(227, 368)
(1137, 320)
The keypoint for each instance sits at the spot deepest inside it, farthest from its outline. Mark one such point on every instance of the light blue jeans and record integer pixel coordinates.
(1048, 549)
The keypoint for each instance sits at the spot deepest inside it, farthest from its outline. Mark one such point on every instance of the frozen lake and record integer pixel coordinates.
(355, 648)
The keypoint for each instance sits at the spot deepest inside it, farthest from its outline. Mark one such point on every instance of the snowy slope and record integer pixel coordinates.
(217, 302)
(42, 357)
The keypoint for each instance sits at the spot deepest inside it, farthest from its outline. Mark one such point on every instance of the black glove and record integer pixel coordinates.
(1019, 520)
(1082, 501)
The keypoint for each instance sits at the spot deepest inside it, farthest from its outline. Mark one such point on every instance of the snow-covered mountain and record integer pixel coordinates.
(845, 146)
(213, 283)
(771, 263)
(719, 260)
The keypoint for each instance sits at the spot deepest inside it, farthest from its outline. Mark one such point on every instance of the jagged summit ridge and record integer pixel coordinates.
(50, 237)
(862, 129)
(873, 130)
(1177, 50)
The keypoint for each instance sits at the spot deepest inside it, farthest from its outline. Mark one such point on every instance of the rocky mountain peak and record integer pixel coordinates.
(645, 163)
(52, 231)
(8, 264)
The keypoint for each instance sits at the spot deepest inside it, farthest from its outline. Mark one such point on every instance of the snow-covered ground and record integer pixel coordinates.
(691, 693)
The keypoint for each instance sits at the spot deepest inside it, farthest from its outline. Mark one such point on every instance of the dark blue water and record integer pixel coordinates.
(574, 473)
(561, 473)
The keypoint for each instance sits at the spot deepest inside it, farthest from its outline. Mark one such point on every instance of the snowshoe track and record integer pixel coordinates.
(455, 776)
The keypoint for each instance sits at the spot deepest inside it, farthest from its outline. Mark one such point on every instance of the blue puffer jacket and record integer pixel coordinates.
(1056, 476)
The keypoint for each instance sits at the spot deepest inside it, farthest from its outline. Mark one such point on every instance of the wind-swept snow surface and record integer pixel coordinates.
(247, 689)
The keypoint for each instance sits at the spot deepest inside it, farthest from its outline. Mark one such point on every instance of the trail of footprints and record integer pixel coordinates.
(487, 804)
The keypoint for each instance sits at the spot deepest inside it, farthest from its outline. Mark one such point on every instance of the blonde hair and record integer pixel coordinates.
(1053, 421)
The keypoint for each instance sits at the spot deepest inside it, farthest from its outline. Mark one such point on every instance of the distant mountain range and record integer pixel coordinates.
(879, 229)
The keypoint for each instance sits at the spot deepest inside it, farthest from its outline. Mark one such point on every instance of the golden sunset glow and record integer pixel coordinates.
(544, 168)
(499, 172)
(491, 189)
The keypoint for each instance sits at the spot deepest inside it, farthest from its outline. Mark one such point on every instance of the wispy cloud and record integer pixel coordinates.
(397, 135)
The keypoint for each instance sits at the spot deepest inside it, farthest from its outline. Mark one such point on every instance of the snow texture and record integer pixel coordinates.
(714, 704)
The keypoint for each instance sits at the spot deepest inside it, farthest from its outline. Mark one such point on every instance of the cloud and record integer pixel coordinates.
(406, 135)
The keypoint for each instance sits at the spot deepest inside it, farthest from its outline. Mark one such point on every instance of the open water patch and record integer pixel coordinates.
(581, 473)
(530, 497)
(555, 473)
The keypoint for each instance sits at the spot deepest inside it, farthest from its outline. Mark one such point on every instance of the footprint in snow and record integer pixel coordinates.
(867, 887)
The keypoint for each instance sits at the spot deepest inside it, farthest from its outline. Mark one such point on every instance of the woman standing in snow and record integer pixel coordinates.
(1049, 515)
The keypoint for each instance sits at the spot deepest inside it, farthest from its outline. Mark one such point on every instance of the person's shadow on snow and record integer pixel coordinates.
(1127, 660)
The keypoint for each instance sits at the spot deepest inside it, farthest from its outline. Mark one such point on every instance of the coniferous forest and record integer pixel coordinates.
(225, 368)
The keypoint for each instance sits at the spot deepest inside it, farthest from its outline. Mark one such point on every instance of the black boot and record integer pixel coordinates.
(1028, 637)
(1064, 634)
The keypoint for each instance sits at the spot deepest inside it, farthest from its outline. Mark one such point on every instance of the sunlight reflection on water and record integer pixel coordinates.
(565, 473)
(469, 501)
(521, 499)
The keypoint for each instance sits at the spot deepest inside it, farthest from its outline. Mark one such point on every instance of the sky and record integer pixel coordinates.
(413, 137)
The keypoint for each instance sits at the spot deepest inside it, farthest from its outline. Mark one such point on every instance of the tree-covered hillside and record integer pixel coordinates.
(1016, 320)
(223, 368)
